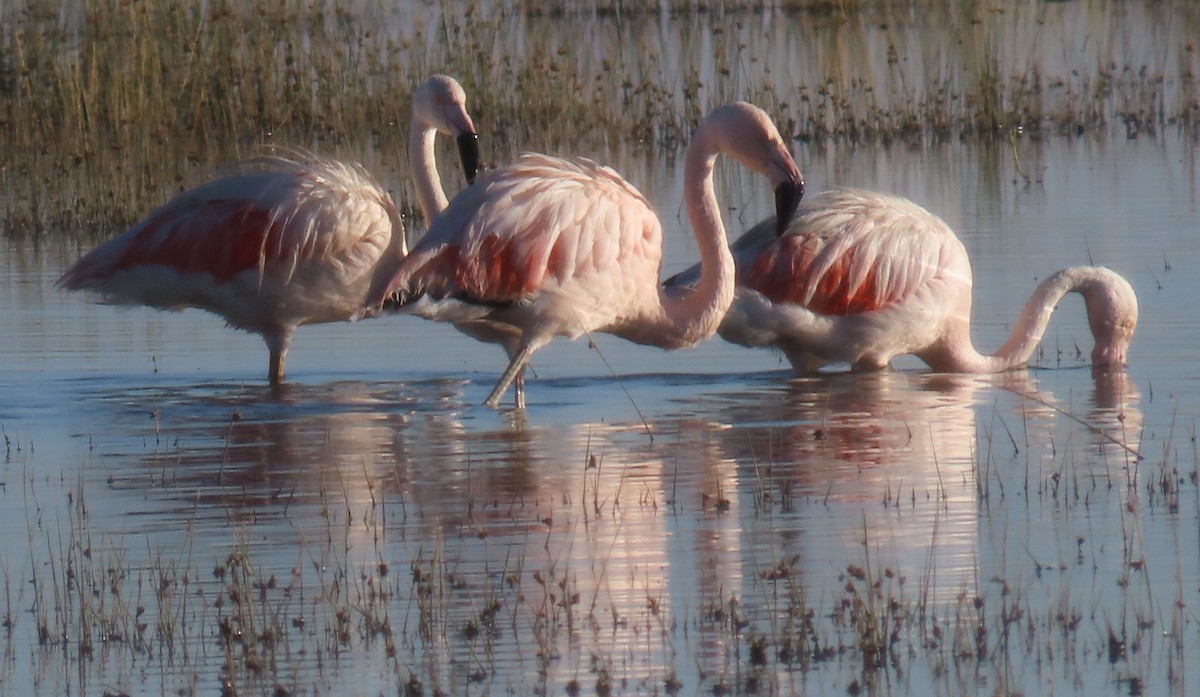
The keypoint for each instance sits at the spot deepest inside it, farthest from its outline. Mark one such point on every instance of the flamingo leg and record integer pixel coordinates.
(514, 372)
(277, 345)
(519, 390)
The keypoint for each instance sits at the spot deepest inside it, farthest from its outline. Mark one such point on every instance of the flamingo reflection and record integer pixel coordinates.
(561, 532)
(904, 463)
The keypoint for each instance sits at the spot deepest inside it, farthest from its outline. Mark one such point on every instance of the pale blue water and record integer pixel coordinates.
(1017, 542)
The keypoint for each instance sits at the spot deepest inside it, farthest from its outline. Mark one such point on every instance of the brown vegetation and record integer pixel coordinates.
(107, 109)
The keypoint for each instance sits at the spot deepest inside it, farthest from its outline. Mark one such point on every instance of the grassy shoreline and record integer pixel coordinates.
(108, 108)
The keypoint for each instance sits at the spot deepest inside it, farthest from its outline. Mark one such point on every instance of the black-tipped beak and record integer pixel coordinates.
(468, 151)
(787, 199)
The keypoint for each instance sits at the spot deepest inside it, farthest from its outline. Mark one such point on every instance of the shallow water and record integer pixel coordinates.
(691, 521)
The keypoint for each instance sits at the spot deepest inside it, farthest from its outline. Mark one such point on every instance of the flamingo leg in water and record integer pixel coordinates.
(519, 390)
(277, 345)
(514, 372)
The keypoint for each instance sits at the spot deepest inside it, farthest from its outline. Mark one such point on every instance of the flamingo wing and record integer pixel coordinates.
(539, 222)
(851, 252)
(270, 217)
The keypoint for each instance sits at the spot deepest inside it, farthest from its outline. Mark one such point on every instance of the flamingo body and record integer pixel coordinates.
(861, 277)
(578, 234)
(549, 246)
(278, 242)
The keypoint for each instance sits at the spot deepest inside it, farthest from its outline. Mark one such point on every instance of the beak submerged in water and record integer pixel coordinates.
(787, 199)
(468, 151)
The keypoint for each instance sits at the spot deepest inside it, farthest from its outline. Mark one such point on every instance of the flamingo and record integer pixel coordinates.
(860, 277)
(550, 247)
(279, 242)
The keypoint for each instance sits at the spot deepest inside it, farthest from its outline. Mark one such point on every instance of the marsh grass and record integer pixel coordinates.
(108, 108)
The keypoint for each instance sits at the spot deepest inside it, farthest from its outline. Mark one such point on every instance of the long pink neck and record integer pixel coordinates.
(1111, 309)
(694, 316)
(421, 160)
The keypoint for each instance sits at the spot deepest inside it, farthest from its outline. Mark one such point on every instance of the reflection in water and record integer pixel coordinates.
(891, 457)
(475, 535)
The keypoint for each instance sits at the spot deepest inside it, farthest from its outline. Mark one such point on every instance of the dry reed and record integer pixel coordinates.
(108, 108)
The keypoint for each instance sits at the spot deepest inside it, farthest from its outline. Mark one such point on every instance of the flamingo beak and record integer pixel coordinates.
(468, 151)
(787, 199)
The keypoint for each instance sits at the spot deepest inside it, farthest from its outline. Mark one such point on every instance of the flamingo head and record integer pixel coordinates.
(440, 103)
(1112, 312)
(1112, 343)
(748, 134)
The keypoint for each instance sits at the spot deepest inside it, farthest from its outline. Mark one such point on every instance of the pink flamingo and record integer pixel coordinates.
(551, 247)
(861, 277)
(279, 243)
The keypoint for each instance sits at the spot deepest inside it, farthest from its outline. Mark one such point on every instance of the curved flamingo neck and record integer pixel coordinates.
(421, 160)
(1111, 310)
(696, 315)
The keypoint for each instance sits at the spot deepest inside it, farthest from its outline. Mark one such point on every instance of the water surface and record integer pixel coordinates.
(653, 522)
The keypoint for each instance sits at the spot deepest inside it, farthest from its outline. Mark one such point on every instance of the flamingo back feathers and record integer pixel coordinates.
(850, 252)
(541, 221)
(274, 214)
